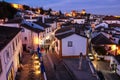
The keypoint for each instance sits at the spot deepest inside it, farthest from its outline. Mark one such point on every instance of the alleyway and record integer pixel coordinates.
(30, 70)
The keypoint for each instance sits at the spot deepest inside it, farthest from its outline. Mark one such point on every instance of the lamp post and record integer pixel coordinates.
(42, 68)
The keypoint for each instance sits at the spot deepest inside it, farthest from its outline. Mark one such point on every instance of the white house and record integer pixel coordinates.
(10, 52)
(111, 20)
(79, 20)
(69, 43)
(31, 35)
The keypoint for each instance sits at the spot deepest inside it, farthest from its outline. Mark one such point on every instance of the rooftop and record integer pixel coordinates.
(7, 34)
(19, 20)
(37, 30)
(114, 25)
(110, 18)
(42, 24)
(101, 39)
(67, 31)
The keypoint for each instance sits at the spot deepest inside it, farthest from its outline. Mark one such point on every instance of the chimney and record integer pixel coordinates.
(43, 19)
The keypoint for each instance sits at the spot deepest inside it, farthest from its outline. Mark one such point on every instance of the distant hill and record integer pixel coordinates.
(7, 10)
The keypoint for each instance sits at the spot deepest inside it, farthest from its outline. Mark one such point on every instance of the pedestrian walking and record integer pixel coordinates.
(80, 61)
(55, 67)
(53, 49)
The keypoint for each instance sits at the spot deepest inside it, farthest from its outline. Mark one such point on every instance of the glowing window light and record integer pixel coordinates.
(36, 40)
(15, 6)
(114, 47)
(37, 72)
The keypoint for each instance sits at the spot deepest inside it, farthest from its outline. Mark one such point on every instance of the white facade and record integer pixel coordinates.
(112, 21)
(10, 58)
(72, 46)
(11, 25)
(79, 21)
(30, 39)
(79, 44)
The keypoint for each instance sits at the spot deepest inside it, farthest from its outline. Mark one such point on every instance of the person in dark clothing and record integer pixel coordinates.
(52, 49)
(55, 67)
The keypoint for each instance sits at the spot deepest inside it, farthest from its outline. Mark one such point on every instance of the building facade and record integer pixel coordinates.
(10, 52)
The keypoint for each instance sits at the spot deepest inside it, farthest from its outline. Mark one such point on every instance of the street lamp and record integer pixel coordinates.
(114, 48)
(41, 61)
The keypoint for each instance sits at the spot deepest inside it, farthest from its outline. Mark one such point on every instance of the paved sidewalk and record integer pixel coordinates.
(55, 70)
(83, 74)
(28, 71)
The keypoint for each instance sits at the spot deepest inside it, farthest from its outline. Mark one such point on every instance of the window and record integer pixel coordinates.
(69, 43)
(16, 41)
(25, 38)
(23, 30)
(6, 56)
(13, 46)
(0, 66)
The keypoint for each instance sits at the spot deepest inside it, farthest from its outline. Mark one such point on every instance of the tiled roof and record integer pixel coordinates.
(31, 28)
(14, 21)
(7, 34)
(67, 31)
(72, 24)
(110, 18)
(26, 17)
(114, 25)
(42, 24)
(49, 20)
(100, 40)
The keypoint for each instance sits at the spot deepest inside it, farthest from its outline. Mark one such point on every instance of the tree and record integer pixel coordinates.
(26, 7)
(49, 11)
(60, 13)
(41, 10)
(6, 10)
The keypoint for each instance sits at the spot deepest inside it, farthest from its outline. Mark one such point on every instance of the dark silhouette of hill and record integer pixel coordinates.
(6, 10)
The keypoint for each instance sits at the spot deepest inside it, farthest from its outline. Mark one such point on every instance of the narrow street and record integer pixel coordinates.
(55, 69)
(30, 68)
(103, 66)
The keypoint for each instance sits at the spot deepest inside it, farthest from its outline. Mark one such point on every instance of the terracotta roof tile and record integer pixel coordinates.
(110, 18)
(31, 28)
(101, 39)
(7, 34)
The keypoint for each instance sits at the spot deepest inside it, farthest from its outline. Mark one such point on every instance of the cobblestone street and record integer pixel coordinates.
(29, 70)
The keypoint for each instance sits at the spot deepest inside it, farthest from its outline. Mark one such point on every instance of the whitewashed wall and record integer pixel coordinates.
(27, 33)
(79, 45)
(112, 21)
(13, 59)
(11, 25)
(80, 21)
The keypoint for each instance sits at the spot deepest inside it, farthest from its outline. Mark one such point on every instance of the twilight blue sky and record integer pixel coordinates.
(110, 7)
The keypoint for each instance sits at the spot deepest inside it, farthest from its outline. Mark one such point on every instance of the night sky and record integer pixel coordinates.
(110, 7)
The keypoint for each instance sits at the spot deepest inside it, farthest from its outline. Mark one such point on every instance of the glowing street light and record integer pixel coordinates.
(114, 48)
